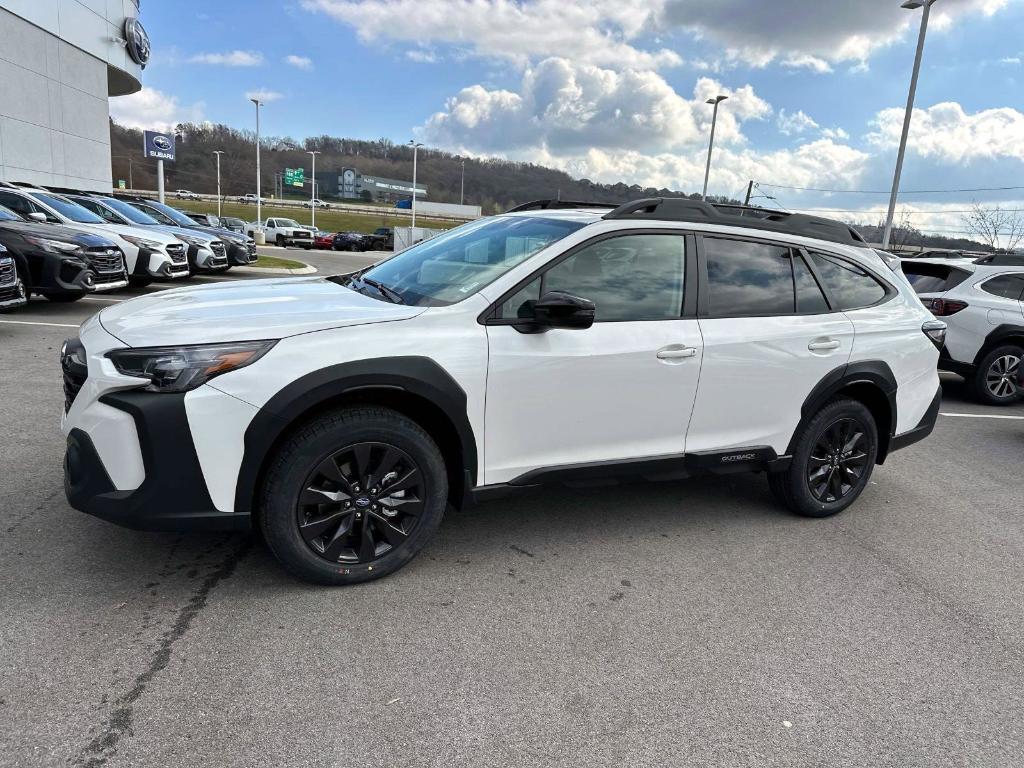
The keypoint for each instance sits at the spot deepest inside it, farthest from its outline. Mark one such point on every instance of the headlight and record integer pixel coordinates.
(52, 245)
(180, 369)
(141, 242)
(196, 241)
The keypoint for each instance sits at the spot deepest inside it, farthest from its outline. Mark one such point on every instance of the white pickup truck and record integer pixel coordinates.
(283, 232)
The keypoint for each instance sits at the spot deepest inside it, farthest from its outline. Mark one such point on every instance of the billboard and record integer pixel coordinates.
(294, 177)
(159, 146)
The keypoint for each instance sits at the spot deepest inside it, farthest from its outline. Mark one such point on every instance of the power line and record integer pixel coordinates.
(886, 192)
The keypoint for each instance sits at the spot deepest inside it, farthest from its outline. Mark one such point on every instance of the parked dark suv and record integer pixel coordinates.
(58, 262)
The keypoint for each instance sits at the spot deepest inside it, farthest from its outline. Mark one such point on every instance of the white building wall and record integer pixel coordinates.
(59, 60)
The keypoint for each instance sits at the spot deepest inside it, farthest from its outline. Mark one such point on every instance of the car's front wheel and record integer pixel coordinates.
(352, 496)
(995, 379)
(832, 463)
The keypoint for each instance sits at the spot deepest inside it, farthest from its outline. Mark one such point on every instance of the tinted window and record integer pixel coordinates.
(850, 286)
(100, 211)
(69, 210)
(131, 213)
(748, 279)
(933, 278)
(634, 277)
(8, 215)
(16, 203)
(809, 298)
(1007, 286)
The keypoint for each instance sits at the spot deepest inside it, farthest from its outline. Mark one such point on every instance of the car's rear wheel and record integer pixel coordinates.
(352, 496)
(832, 463)
(995, 379)
(64, 298)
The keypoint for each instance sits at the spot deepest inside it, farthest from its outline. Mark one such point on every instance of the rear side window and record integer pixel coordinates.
(933, 278)
(809, 298)
(748, 279)
(850, 286)
(1006, 286)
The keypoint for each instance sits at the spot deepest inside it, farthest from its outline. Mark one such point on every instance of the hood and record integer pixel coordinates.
(148, 233)
(58, 232)
(244, 311)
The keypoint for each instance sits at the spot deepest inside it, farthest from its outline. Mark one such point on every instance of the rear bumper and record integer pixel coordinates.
(947, 363)
(922, 430)
(172, 497)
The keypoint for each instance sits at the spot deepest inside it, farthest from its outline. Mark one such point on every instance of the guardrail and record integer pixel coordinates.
(270, 202)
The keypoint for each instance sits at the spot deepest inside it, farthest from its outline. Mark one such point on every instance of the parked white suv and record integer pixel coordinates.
(145, 252)
(981, 302)
(661, 339)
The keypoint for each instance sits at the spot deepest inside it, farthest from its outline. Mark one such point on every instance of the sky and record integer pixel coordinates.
(614, 90)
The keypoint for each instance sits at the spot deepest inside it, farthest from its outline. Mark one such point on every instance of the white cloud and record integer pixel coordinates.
(229, 59)
(790, 123)
(563, 106)
(150, 109)
(806, 61)
(601, 32)
(834, 133)
(1013, 61)
(299, 62)
(945, 132)
(421, 56)
(264, 95)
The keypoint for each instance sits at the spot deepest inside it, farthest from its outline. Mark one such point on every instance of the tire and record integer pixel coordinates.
(836, 423)
(301, 471)
(139, 281)
(64, 298)
(994, 381)
(281, 243)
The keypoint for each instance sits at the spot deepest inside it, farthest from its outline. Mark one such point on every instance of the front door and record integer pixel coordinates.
(618, 391)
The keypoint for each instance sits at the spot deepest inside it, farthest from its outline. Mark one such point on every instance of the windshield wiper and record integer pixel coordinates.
(388, 293)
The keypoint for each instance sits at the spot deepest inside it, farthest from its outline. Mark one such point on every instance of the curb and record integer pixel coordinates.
(306, 270)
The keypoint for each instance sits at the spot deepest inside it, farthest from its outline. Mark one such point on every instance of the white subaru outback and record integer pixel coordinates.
(558, 343)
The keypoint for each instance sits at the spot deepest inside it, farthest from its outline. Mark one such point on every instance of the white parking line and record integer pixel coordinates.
(982, 416)
(99, 298)
(29, 322)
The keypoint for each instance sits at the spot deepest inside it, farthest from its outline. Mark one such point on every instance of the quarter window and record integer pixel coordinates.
(850, 286)
(1006, 286)
(629, 278)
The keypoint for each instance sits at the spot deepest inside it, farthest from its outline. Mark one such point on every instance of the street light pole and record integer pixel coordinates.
(462, 186)
(415, 147)
(218, 153)
(711, 142)
(926, 5)
(259, 210)
(312, 188)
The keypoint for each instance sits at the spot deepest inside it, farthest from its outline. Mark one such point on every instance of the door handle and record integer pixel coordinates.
(823, 345)
(676, 352)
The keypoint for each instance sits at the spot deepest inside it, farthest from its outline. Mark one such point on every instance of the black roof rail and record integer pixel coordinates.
(1002, 260)
(697, 211)
(551, 205)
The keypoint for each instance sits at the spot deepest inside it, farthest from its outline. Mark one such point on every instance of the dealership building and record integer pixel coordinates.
(60, 61)
(350, 183)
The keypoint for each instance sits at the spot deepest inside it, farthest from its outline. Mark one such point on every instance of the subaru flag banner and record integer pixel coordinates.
(159, 146)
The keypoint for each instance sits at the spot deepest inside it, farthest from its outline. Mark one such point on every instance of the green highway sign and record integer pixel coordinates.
(294, 177)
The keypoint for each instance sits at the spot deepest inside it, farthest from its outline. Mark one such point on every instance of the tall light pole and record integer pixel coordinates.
(259, 210)
(711, 142)
(462, 186)
(415, 147)
(926, 5)
(312, 188)
(218, 153)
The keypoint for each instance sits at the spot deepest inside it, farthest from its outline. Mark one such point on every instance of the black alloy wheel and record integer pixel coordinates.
(360, 503)
(838, 461)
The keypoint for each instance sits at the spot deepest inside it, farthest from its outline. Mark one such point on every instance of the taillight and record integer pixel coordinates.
(945, 307)
(935, 330)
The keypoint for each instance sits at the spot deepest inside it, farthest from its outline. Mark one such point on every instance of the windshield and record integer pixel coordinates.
(458, 263)
(287, 223)
(175, 216)
(68, 209)
(7, 214)
(130, 212)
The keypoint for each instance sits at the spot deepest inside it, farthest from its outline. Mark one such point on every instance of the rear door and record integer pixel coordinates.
(769, 337)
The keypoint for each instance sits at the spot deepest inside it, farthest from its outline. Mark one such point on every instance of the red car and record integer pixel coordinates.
(323, 240)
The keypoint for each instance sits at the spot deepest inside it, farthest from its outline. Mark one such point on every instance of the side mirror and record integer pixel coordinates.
(557, 309)
(37, 216)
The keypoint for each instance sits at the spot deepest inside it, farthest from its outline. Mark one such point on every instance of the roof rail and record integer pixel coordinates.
(697, 211)
(1002, 260)
(550, 205)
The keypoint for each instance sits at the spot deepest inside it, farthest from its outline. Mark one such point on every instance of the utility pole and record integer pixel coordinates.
(909, 5)
(259, 209)
(415, 147)
(312, 187)
(750, 190)
(462, 186)
(218, 153)
(711, 142)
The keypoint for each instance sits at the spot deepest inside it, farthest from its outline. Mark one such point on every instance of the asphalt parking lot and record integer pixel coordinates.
(680, 624)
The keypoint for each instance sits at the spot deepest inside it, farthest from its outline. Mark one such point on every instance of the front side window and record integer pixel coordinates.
(7, 214)
(1005, 286)
(69, 210)
(458, 263)
(17, 203)
(130, 212)
(629, 278)
(850, 286)
(747, 279)
(100, 211)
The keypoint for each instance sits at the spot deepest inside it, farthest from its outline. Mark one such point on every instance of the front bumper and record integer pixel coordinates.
(240, 255)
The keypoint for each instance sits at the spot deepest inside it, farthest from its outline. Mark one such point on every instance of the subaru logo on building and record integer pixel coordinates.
(137, 41)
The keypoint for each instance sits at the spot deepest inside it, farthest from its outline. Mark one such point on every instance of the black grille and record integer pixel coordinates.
(7, 274)
(178, 253)
(104, 261)
(74, 369)
(220, 255)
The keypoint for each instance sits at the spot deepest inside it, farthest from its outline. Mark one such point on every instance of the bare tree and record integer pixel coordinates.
(1000, 228)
